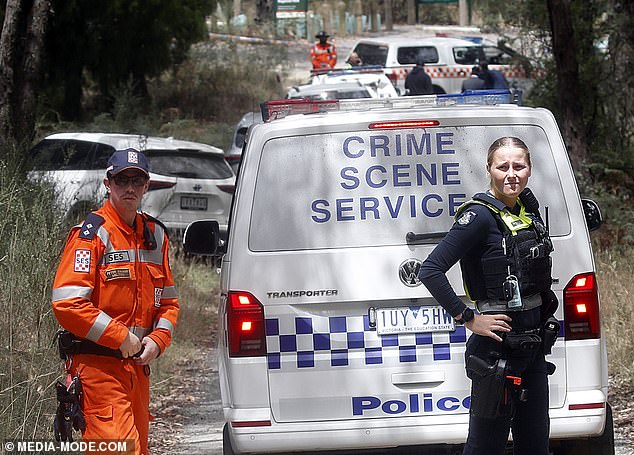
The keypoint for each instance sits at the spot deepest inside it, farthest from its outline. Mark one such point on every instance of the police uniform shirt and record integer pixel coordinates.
(474, 236)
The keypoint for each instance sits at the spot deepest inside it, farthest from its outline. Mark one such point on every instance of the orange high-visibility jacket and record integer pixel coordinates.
(110, 282)
(323, 55)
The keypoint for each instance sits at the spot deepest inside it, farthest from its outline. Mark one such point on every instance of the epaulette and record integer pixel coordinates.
(488, 199)
(157, 221)
(90, 226)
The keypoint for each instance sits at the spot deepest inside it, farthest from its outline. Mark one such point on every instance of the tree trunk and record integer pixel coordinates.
(21, 48)
(564, 50)
(411, 12)
(389, 26)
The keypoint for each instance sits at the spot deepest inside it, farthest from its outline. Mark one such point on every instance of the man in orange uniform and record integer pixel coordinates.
(323, 54)
(115, 292)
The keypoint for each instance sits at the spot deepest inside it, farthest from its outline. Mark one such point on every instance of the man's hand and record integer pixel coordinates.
(488, 324)
(130, 346)
(150, 352)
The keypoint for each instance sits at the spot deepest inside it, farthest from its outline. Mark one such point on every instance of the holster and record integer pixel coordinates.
(489, 397)
(550, 333)
(69, 414)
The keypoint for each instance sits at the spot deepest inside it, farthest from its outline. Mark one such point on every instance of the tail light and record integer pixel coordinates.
(159, 185)
(227, 188)
(245, 325)
(581, 308)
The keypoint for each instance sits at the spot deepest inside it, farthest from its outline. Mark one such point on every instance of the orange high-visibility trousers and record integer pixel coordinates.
(116, 399)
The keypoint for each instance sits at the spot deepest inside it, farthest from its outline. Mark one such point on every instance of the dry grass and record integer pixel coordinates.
(616, 287)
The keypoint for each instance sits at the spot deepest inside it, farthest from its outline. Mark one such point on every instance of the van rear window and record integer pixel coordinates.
(370, 188)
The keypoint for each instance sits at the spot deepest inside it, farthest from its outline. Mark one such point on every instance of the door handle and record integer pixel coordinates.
(418, 378)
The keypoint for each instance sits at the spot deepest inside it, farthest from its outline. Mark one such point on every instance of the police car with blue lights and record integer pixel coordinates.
(327, 339)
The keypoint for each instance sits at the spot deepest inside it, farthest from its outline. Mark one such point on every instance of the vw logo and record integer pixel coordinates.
(197, 187)
(408, 272)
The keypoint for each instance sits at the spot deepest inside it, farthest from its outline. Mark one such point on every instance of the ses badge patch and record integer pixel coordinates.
(82, 261)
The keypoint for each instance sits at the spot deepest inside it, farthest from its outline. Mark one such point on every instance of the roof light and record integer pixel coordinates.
(277, 109)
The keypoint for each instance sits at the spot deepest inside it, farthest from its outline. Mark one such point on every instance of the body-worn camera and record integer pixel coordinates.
(512, 292)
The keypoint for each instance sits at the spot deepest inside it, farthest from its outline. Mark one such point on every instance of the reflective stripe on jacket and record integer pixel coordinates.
(110, 283)
(323, 56)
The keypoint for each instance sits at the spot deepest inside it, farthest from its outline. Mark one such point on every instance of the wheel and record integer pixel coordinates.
(602, 445)
(227, 449)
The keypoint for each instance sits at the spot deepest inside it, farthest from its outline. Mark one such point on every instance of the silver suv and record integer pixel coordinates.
(188, 180)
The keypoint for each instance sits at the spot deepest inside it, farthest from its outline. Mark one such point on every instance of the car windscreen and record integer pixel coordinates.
(188, 164)
(370, 188)
(468, 55)
(410, 54)
(372, 54)
(496, 56)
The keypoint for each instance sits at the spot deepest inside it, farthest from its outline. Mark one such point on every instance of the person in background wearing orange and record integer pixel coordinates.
(323, 54)
(115, 292)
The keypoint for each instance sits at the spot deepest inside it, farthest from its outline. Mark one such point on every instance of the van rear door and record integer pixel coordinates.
(330, 262)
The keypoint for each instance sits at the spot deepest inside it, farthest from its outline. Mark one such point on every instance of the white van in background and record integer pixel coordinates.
(316, 260)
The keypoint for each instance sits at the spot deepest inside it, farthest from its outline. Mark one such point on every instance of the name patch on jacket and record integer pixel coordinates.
(158, 293)
(117, 256)
(117, 274)
(82, 261)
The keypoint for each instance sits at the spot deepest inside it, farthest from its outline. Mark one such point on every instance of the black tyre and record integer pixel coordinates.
(227, 449)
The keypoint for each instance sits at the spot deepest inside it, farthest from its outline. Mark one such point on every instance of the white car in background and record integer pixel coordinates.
(373, 78)
(188, 180)
(336, 91)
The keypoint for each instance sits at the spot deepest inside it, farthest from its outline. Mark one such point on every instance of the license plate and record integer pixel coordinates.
(416, 319)
(193, 203)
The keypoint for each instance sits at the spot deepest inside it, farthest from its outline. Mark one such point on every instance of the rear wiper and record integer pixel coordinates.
(430, 237)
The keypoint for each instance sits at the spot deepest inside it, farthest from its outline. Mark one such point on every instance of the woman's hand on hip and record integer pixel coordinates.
(488, 324)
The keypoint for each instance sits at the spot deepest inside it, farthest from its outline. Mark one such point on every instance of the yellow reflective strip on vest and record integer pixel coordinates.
(516, 222)
(513, 222)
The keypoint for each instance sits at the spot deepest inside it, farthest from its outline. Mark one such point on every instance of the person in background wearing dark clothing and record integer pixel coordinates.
(493, 79)
(474, 82)
(418, 81)
(504, 253)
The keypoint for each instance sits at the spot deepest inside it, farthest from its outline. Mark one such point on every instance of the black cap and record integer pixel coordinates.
(322, 34)
(127, 159)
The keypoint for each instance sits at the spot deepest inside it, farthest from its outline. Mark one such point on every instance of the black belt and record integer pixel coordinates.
(69, 345)
(88, 347)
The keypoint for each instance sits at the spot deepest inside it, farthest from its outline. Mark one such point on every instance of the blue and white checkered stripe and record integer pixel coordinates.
(307, 342)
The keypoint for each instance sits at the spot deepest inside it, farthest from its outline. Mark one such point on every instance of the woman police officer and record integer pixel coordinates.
(504, 252)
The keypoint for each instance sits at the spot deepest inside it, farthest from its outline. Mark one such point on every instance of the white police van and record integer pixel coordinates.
(319, 347)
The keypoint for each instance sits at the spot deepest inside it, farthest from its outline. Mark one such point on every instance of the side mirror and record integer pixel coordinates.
(203, 238)
(592, 213)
